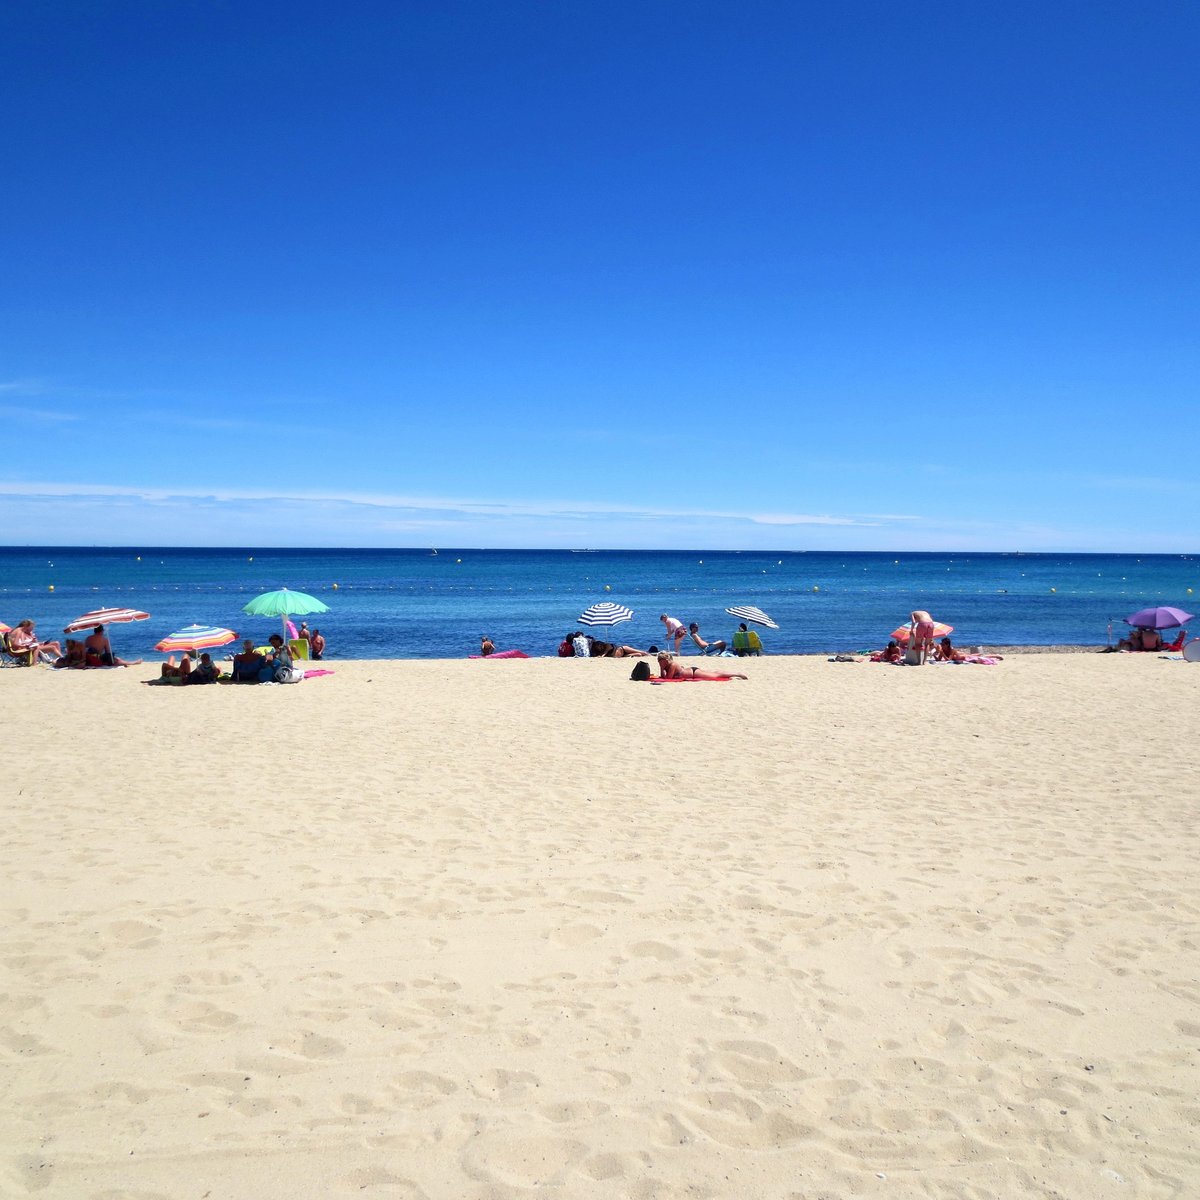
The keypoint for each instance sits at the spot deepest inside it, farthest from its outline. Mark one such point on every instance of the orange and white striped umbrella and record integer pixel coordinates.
(197, 637)
(106, 616)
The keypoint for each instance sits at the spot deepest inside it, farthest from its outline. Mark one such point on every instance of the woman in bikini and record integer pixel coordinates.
(609, 650)
(22, 640)
(668, 668)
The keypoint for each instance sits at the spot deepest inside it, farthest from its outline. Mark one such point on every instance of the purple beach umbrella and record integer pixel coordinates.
(1158, 618)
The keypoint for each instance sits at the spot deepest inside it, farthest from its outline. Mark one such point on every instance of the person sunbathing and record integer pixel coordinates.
(609, 650)
(668, 668)
(22, 640)
(891, 653)
(717, 647)
(1151, 639)
(181, 670)
(1132, 642)
(75, 658)
(945, 652)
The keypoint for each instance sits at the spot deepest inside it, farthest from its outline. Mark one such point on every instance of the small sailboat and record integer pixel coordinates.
(433, 552)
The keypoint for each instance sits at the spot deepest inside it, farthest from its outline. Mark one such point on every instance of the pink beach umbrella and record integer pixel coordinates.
(940, 630)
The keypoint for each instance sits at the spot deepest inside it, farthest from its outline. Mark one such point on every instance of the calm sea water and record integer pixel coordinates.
(416, 604)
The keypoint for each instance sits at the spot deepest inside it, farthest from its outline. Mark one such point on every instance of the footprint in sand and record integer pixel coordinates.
(309, 1045)
(576, 935)
(135, 935)
(658, 950)
(497, 1157)
(379, 1181)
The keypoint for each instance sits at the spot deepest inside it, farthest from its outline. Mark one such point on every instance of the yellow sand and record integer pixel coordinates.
(512, 929)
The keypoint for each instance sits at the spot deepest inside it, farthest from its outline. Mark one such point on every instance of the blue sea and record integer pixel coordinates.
(421, 604)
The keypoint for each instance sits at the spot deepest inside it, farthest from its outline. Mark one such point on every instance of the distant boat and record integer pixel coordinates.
(585, 551)
(433, 552)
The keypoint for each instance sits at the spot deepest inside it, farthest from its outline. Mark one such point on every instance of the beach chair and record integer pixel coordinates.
(299, 648)
(15, 658)
(1177, 644)
(746, 642)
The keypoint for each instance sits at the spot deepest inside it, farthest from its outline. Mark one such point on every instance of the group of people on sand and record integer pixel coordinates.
(582, 645)
(273, 663)
(943, 651)
(676, 632)
(1138, 639)
(94, 651)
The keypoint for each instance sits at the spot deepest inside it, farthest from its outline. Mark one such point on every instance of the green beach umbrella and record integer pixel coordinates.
(284, 604)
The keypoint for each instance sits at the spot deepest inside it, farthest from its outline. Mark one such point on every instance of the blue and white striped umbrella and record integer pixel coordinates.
(756, 616)
(605, 613)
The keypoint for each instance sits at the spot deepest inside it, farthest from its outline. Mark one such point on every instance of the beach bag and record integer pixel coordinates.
(288, 674)
(641, 670)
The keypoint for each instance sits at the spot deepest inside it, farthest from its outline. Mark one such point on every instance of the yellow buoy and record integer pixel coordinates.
(607, 588)
(335, 587)
(458, 560)
(815, 588)
(52, 587)
(1054, 589)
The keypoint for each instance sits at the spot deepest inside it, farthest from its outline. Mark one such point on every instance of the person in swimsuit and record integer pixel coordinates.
(609, 650)
(668, 668)
(206, 671)
(675, 630)
(717, 647)
(316, 645)
(945, 652)
(891, 653)
(99, 651)
(486, 646)
(75, 657)
(920, 636)
(22, 640)
(180, 670)
(247, 665)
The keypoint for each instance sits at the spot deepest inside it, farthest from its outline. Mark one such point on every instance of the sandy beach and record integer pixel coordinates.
(509, 929)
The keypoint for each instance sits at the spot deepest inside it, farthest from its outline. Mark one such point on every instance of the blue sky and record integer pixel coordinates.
(786, 275)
